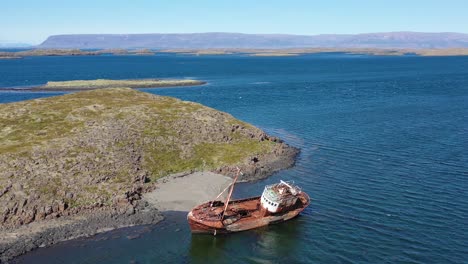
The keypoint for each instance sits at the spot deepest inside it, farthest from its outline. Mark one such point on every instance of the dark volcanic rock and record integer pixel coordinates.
(262, 166)
(88, 226)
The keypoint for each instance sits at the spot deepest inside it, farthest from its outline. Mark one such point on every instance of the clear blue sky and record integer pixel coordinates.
(31, 21)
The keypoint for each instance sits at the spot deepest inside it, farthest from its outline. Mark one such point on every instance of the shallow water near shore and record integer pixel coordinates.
(383, 143)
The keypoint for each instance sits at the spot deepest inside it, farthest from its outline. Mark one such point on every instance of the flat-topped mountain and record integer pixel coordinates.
(275, 41)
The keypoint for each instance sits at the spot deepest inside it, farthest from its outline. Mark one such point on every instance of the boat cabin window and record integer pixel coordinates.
(269, 202)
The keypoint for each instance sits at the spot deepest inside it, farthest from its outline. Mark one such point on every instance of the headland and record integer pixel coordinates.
(85, 162)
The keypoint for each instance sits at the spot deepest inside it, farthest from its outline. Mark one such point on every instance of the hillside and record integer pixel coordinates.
(399, 40)
(101, 149)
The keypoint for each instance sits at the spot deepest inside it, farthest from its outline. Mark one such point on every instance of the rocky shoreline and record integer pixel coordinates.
(17, 241)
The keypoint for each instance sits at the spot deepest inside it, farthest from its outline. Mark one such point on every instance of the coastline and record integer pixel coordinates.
(198, 186)
(15, 242)
(254, 52)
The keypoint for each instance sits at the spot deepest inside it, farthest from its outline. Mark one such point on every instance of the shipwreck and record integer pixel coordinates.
(278, 203)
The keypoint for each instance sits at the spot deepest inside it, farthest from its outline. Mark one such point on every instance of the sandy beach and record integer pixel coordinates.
(183, 192)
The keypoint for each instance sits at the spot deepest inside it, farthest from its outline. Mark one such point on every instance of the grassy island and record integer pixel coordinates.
(75, 164)
(102, 149)
(105, 83)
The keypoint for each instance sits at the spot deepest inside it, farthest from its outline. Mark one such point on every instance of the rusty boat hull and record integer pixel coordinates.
(243, 214)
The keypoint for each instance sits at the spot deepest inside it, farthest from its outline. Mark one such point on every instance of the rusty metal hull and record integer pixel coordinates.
(243, 215)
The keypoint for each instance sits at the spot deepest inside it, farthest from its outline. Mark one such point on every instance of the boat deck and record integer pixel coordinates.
(245, 208)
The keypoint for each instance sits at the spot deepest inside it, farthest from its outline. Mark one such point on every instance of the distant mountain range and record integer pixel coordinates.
(416, 40)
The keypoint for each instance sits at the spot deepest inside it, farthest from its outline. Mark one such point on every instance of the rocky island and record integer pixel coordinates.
(82, 163)
(81, 85)
(105, 83)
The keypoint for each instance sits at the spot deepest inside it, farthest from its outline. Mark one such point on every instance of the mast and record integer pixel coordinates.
(211, 205)
(230, 191)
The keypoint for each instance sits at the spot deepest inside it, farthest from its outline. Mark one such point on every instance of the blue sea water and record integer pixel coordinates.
(383, 144)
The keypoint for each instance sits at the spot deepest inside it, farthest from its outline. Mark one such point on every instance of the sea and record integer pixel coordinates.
(384, 155)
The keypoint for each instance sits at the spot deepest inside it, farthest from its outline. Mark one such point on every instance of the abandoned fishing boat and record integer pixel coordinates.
(279, 202)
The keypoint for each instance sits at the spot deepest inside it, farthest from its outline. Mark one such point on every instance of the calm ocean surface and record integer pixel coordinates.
(384, 156)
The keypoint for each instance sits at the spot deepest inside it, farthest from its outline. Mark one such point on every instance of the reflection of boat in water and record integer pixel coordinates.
(279, 202)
